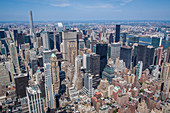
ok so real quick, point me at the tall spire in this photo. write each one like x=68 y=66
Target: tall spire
x=32 y=28
x=31 y=23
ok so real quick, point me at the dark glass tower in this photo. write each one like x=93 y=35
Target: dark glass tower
x=145 y=54
x=111 y=38
x=101 y=49
x=125 y=55
x=124 y=38
x=117 y=37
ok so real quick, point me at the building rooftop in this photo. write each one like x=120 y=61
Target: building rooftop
x=53 y=55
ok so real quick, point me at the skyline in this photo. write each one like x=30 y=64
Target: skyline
x=65 y=10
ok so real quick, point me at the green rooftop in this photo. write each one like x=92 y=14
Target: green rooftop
x=38 y=71
x=53 y=55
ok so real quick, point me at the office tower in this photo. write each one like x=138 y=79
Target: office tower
x=49 y=87
x=145 y=54
x=48 y=40
x=55 y=73
x=71 y=51
x=165 y=71
x=79 y=35
x=101 y=49
x=115 y=51
x=103 y=37
x=3 y=50
x=125 y=55
x=55 y=38
x=159 y=55
x=93 y=43
x=14 y=58
x=96 y=80
x=94 y=64
x=81 y=44
x=139 y=69
x=27 y=39
x=4 y=77
x=34 y=65
x=69 y=73
x=77 y=79
x=21 y=82
x=2 y=33
x=88 y=85
x=111 y=38
x=117 y=37
x=134 y=55
x=20 y=38
x=32 y=28
x=108 y=73
x=87 y=43
x=78 y=63
x=124 y=38
x=156 y=42
x=35 y=101
x=68 y=35
x=167 y=59
x=39 y=42
x=42 y=85
x=47 y=55
x=31 y=24
x=58 y=41
x=40 y=61
x=86 y=62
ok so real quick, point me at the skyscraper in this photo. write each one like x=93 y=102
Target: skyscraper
x=31 y=24
x=48 y=40
x=49 y=87
x=165 y=71
x=88 y=85
x=94 y=64
x=14 y=58
x=68 y=35
x=145 y=54
x=159 y=55
x=47 y=55
x=77 y=79
x=34 y=65
x=156 y=42
x=71 y=51
x=32 y=28
x=115 y=50
x=111 y=38
x=35 y=101
x=125 y=55
x=139 y=69
x=108 y=73
x=101 y=49
x=168 y=55
x=117 y=37
x=5 y=78
x=91 y=63
x=55 y=73
x=21 y=82
x=124 y=38
x=86 y=62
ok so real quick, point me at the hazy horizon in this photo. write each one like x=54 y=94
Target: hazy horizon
x=73 y=10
